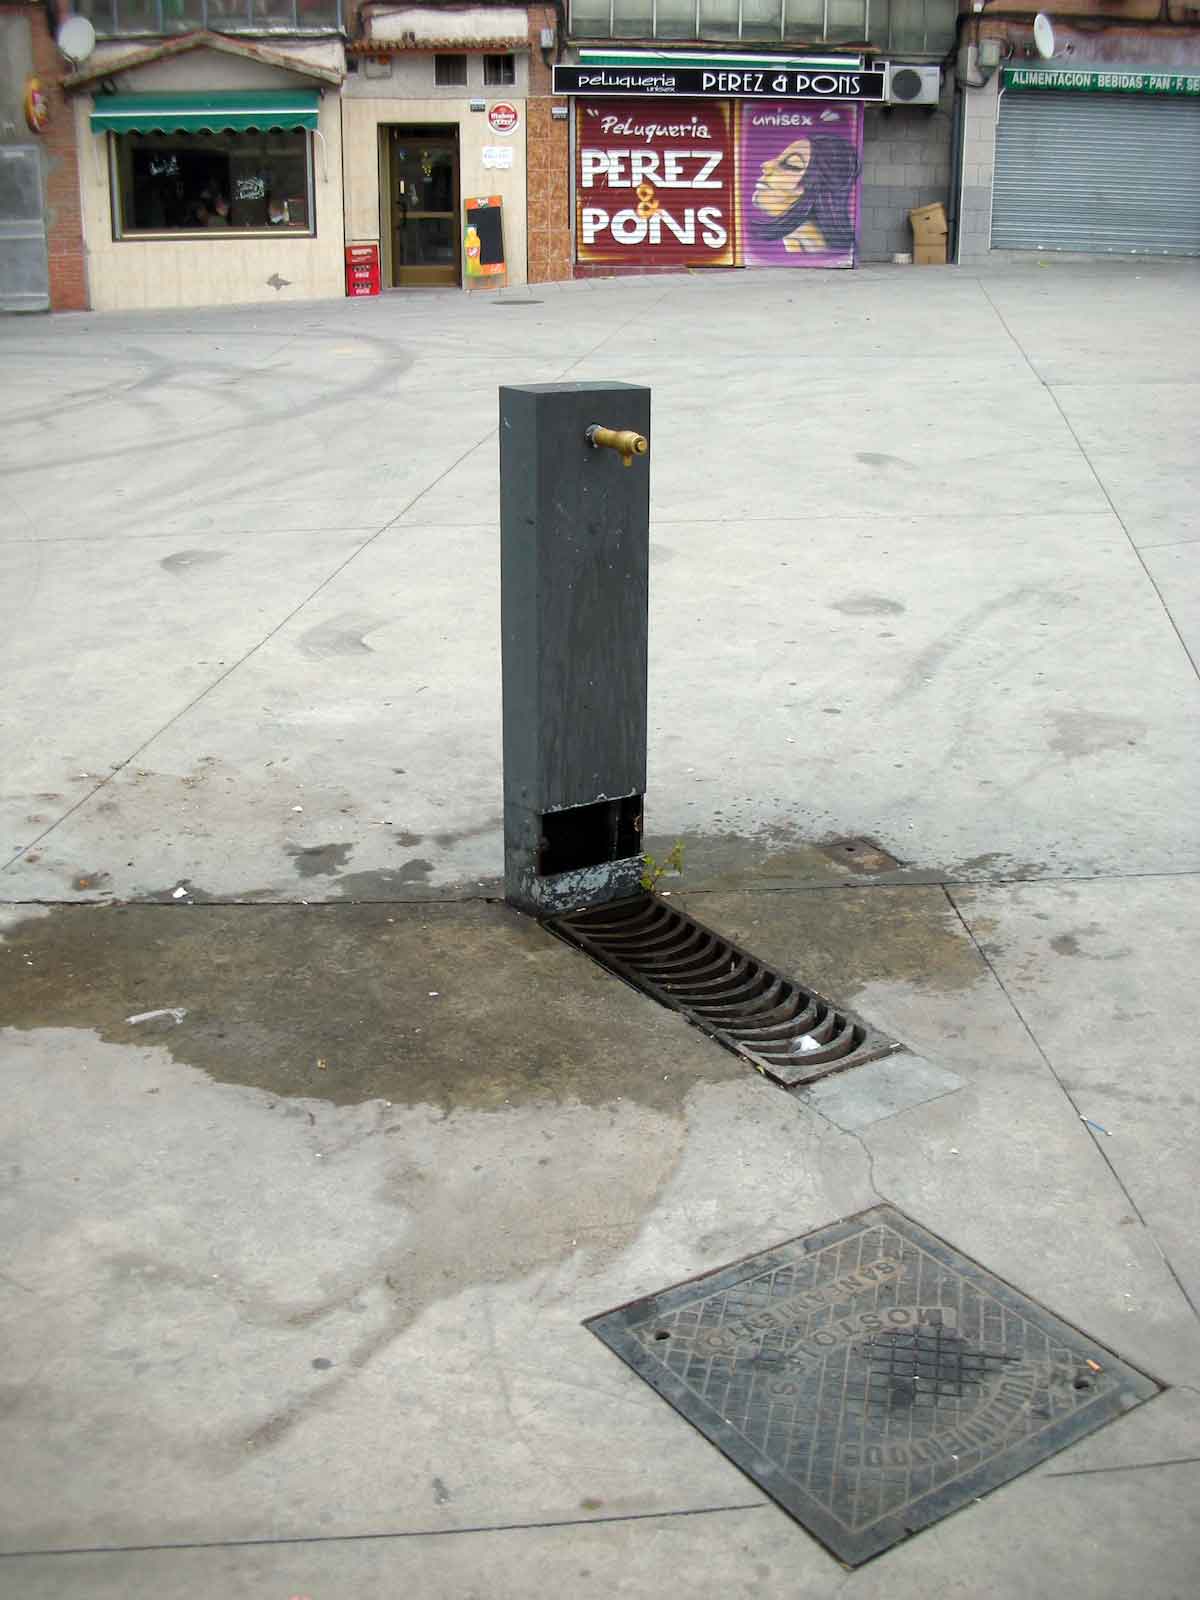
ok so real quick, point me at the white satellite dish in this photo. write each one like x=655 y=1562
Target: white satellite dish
x=1043 y=35
x=76 y=39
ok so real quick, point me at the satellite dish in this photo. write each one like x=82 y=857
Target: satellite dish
x=1043 y=35
x=76 y=39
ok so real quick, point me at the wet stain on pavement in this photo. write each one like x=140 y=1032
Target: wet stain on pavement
x=447 y=840
x=867 y=605
x=841 y=943
x=320 y=860
x=415 y=871
x=344 y=635
x=453 y=1006
x=185 y=560
x=1088 y=733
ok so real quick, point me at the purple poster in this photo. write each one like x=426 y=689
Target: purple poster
x=799 y=183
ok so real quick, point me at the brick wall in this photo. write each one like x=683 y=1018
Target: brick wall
x=60 y=168
x=906 y=163
x=548 y=157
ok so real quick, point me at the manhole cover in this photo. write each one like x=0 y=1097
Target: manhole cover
x=869 y=1378
x=789 y=1032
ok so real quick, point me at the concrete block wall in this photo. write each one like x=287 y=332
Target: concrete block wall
x=979 y=155
x=906 y=163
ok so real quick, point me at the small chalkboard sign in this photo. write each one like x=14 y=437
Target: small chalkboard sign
x=484 y=241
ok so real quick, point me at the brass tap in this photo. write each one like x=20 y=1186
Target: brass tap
x=623 y=440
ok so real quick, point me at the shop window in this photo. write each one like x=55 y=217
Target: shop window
x=761 y=19
x=450 y=72
x=116 y=18
x=847 y=21
x=211 y=185
x=904 y=27
x=592 y=19
x=719 y=19
x=498 y=70
x=633 y=19
x=675 y=19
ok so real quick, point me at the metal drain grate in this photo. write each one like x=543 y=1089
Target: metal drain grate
x=790 y=1033
x=869 y=1377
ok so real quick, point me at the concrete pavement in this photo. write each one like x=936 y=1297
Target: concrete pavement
x=294 y=1285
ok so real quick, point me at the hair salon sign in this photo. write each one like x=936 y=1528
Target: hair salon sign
x=735 y=83
x=719 y=184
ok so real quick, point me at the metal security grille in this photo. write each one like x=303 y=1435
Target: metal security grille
x=24 y=263
x=1097 y=173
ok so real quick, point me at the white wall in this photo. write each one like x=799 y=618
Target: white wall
x=366 y=217
x=222 y=267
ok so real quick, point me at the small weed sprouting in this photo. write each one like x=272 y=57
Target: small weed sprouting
x=653 y=871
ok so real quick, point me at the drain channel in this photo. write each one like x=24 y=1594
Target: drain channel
x=790 y=1033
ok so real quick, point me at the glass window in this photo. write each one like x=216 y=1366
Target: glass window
x=211 y=183
x=499 y=69
x=590 y=19
x=908 y=26
x=847 y=20
x=761 y=19
x=633 y=19
x=266 y=13
x=804 y=19
x=145 y=16
x=113 y=18
x=450 y=72
x=718 y=19
x=878 y=19
x=941 y=18
x=676 y=19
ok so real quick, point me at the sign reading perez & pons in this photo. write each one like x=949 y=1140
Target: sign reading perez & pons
x=1105 y=80
x=786 y=83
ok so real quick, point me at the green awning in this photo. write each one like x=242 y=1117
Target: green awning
x=205 y=113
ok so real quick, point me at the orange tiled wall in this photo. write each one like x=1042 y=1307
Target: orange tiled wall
x=547 y=155
x=549 y=194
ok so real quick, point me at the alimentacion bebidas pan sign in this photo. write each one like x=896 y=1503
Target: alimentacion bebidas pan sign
x=1109 y=80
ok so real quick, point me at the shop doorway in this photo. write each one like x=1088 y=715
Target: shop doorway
x=422 y=168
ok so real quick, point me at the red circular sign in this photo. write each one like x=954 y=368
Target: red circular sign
x=502 y=117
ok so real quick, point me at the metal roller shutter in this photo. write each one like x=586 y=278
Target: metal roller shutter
x=1098 y=173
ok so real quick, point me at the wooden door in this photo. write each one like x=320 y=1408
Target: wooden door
x=426 y=246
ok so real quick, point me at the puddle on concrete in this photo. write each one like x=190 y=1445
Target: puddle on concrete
x=843 y=942
x=455 y=1006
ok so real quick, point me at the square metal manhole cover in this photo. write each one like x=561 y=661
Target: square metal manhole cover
x=869 y=1378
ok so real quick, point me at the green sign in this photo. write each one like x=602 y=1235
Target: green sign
x=1106 y=80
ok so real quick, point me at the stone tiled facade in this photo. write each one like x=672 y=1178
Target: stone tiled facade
x=548 y=158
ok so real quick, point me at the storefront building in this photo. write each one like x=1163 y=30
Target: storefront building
x=210 y=170
x=685 y=161
x=821 y=145
x=1094 y=148
x=435 y=122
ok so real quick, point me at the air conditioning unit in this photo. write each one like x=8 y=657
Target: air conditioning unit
x=913 y=86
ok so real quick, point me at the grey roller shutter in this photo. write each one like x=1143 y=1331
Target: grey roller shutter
x=24 y=262
x=1097 y=172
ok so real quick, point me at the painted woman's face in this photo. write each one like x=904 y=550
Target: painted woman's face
x=781 y=181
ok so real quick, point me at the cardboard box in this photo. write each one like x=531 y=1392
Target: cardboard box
x=928 y=224
x=930 y=255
